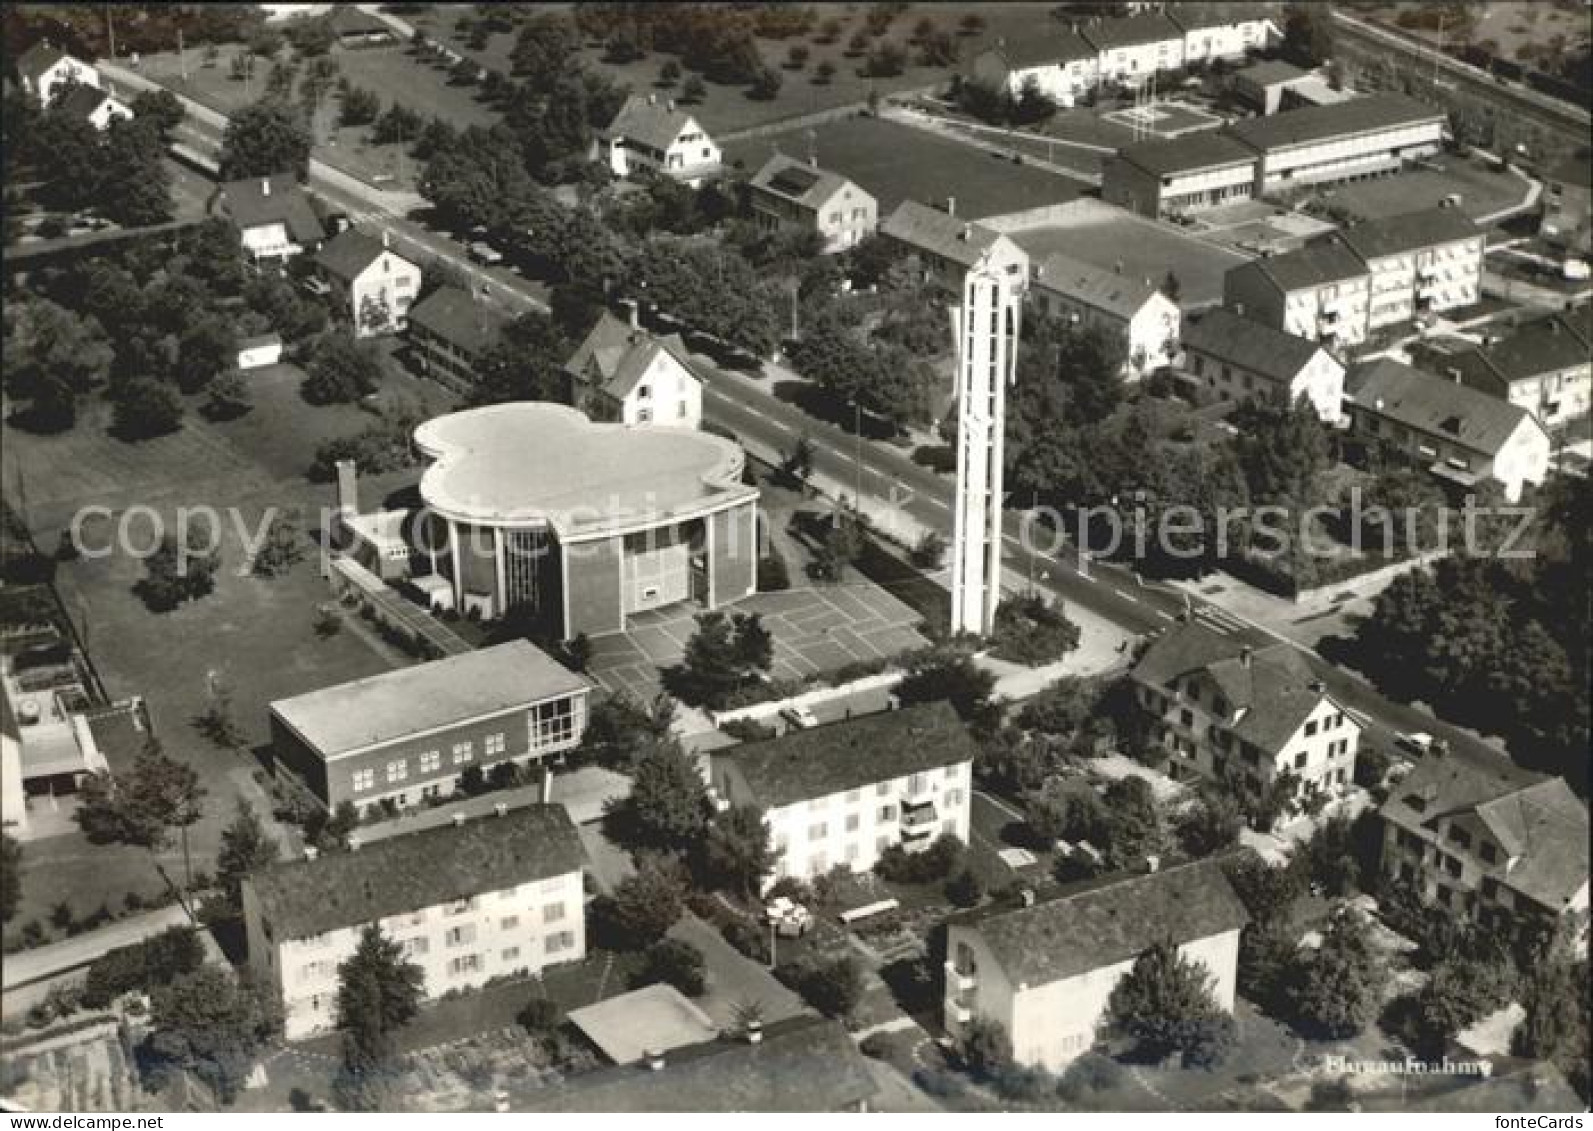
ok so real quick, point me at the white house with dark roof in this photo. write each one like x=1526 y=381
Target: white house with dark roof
x=1232 y=714
x=274 y=218
x=43 y=68
x=948 y=248
x=1225 y=31
x=1543 y=366
x=1131 y=310
x=1131 y=49
x=405 y=737
x=450 y=332
x=1235 y=359
x=373 y=284
x=1179 y=175
x=494 y=897
x=1320 y=292
x=622 y=373
x=1046 y=970
x=649 y=135
x=790 y=192
x=1488 y=841
x=1456 y=432
x=99 y=108
x=1420 y=263
x=1059 y=63
x=840 y=795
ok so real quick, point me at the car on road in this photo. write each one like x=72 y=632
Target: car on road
x=1417 y=743
x=485 y=254
x=799 y=717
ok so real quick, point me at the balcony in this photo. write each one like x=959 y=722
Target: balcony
x=919 y=818
x=957 y=980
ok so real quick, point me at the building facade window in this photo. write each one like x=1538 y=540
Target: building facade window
x=398 y=770
x=430 y=761
x=462 y=752
x=364 y=779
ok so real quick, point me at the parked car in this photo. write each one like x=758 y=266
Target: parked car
x=799 y=717
x=1417 y=743
x=485 y=254
x=790 y=920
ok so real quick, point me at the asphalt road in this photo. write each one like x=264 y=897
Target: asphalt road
x=749 y=407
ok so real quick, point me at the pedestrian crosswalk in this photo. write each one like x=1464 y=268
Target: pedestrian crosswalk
x=1219 y=620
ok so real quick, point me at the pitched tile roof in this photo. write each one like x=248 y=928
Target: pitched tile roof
x=382 y=708
x=619 y=354
x=305 y=898
x=1434 y=405
x=1395 y=235
x=1187 y=154
x=1192 y=14
x=1130 y=31
x=1222 y=334
x=81 y=100
x=1099 y=288
x=1538 y=819
x=1271 y=691
x=803 y=1064
x=1270 y=72
x=1044 y=47
x=350 y=252
x=277 y=199
x=804 y=764
x=920 y=226
x=647 y=120
x=39 y=58
x=1315 y=264
x=1312 y=124
x=456 y=317
x=1108 y=922
x=1576 y=169
x=798 y=181
x=1544 y=345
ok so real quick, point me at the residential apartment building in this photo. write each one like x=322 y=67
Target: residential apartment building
x=1568 y=205
x=1231 y=358
x=450 y=332
x=1181 y=175
x=1488 y=841
x=468 y=902
x=1342 y=141
x=1458 y=433
x=840 y=795
x=43 y=69
x=1061 y=65
x=1132 y=311
x=947 y=248
x=1228 y=713
x=1132 y=49
x=1046 y=970
x=1222 y=31
x=788 y=192
x=649 y=136
x=374 y=285
x=273 y=218
x=404 y=737
x=1420 y=263
x=623 y=374
x=1320 y=292
x=1543 y=366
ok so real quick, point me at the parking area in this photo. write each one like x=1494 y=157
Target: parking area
x=816 y=629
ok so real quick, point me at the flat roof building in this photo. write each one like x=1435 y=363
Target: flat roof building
x=582 y=524
x=404 y=737
x=496 y=897
x=1179 y=175
x=1341 y=141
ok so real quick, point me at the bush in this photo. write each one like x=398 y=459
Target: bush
x=1023 y=1083
x=747 y=937
x=936 y=862
x=157 y=961
x=1090 y=1073
x=747 y=730
x=675 y=963
x=773 y=574
x=834 y=987
x=540 y=1015
x=940 y=1082
x=964 y=889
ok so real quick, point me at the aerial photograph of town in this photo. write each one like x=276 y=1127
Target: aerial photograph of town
x=794 y=557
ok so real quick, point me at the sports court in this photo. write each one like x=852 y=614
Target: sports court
x=1163 y=119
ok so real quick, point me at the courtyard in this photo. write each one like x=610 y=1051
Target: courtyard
x=1483 y=191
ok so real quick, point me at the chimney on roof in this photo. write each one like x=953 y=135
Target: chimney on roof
x=1153 y=863
x=753 y=1031
x=1118 y=266
x=655 y=1060
x=265 y=186
x=951 y=206
x=1027 y=896
x=1239 y=309
x=348 y=487
x=671 y=105
x=459 y=820
x=634 y=307
x=500 y=809
x=386 y=238
x=1246 y=654
x=1453 y=373
x=353 y=843
x=1317 y=686
x=652 y=100
x=966 y=234
x=311 y=852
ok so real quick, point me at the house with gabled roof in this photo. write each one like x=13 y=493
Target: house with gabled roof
x=1420 y=263
x=373 y=284
x=1487 y=840
x=1458 y=433
x=1543 y=366
x=1236 y=359
x=274 y=218
x=622 y=373
x=1130 y=310
x=948 y=248
x=1320 y=292
x=450 y=332
x=1060 y=63
x=1232 y=714
x=1045 y=969
x=840 y=795
x=1225 y=30
x=468 y=902
x=1132 y=49
x=99 y=108
x=647 y=135
x=791 y=192
x=44 y=68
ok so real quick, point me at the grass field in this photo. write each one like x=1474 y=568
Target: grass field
x=1482 y=190
x=897 y=162
x=1106 y=236
x=257 y=634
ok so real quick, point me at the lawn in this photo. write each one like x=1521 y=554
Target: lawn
x=1483 y=191
x=897 y=162
x=1112 y=237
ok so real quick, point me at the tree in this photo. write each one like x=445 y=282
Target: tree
x=766 y=87
x=824 y=73
x=360 y=107
x=949 y=673
x=263 y=140
x=53 y=356
x=246 y=847
x=143 y=806
x=1166 y=1004
x=175 y=573
x=1461 y=990
x=930 y=550
x=1211 y=824
x=1336 y=989
x=677 y=964
x=10 y=876
x=985 y=1048
x=134 y=182
x=668 y=803
x=964 y=889
x=1171 y=287
x=342 y=369
x=834 y=987
x=842 y=545
x=375 y=315
x=669 y=73
x=213 y=1023
x=1556 y=1024
x=207 y=348
x=378 y=993
x=647 y=903
x=798 y=462
x=217 y=721
x=736 y=852
x=693 y=91
x=160 y=107
x=525 y=364
x=1133 y=826
x=723 y=654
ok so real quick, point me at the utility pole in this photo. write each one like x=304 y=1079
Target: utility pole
x=182 y=60
x=110 y=28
